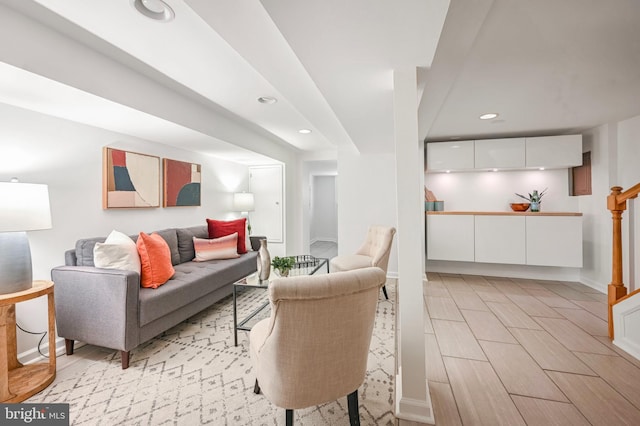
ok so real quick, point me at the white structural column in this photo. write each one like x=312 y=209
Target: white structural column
x=412 y=394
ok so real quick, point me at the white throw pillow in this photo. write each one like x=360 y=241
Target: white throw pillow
x=117 y=252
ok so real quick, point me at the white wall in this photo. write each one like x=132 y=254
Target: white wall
x=366 y=196
x=68 y=157
x=493 y=191
x=628 y=150
x=324 y=215
x=615 y=152
x=597 y=227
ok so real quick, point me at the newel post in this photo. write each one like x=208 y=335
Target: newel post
x=616 y=287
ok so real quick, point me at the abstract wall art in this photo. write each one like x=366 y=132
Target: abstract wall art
x=130 y=179
x=181 y=183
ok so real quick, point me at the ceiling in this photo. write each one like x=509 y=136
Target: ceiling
x=546 y=67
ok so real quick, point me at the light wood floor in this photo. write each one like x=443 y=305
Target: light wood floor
x=513 y=352
x=324 y=249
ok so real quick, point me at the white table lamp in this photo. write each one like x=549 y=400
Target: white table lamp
x=243 y=202
x=23 y=207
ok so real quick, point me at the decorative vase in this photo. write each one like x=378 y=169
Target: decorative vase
x=535 y=206
x=264 y=261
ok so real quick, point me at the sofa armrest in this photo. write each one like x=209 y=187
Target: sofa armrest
x=255 y=241
x=97 y=306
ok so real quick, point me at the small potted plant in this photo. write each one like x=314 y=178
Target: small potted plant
x=534 y=198
x=283 y=264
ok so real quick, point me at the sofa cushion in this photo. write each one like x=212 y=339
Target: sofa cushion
x=191 y=281
x=117 y=252
x=171 y=237
x=185 y=241
x=216 y=248
x=155 y=259
x=84 y=250
x=222 y=228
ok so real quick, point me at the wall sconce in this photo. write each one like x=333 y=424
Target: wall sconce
x=23 y=207
x=243 y=202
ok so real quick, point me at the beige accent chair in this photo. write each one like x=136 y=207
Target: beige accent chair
x=313 y=348
x=374 y=252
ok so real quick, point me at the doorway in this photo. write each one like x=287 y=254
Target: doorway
x=323 y=227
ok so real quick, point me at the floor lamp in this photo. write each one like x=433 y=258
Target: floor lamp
x=23 y=207
x=243 y=202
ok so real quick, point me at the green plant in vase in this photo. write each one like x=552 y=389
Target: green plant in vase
x=534 y=198
x=283 y=264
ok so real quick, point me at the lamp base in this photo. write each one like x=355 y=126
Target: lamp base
x=15 y=262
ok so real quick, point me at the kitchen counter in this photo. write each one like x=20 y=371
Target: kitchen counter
x=505 y=213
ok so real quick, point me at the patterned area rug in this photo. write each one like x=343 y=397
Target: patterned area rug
x=192 y=374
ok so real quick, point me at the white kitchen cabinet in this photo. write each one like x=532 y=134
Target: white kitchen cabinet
x=500 y=239
x=443 y=156
x=554 y=151
x=450 y=237
x=500 y=153
x=554 y=241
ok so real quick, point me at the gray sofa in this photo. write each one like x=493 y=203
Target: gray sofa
x=108 y=307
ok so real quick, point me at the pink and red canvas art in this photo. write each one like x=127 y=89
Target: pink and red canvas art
x=181 y=183
x=130 y=179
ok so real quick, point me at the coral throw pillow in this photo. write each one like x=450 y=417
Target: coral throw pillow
x=155 y=259
x=117 y=252
x=216 y=248
x=222 y=228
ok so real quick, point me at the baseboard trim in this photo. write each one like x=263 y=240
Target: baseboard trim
x=412 y=409
x=594 y=284
x=323 y=239
x=507 y=271
x=32 y=355
x=629 y=347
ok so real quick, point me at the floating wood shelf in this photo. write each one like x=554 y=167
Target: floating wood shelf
x=505 y=213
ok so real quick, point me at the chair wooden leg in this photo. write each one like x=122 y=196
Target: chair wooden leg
x=256 y=387
x=124 y=355
x=384 y=290
x=352 y=402
x=289 y=417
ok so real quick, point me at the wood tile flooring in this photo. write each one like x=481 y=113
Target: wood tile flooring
x=506 y=351
x=326 y=249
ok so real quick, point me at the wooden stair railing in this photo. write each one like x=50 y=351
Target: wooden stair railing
x=617 y=204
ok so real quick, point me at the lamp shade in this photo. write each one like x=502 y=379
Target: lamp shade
x=243 y=202
x=24 y=207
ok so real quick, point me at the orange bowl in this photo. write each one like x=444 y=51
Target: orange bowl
x=520 y=207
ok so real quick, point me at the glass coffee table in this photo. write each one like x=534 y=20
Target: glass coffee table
x=305 y=265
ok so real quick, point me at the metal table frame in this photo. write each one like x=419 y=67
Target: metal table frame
x=306 y=264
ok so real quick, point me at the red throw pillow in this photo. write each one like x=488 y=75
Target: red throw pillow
x=222 y=228
x=155 y=260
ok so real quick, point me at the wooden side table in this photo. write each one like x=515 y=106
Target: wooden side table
x=18 y=382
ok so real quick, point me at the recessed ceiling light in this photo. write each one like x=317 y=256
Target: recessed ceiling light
x=304 y=131
x=267 y=100
x=541 y=168
x=154 y=9
x=495 y=170
x=488 y=116
x=447 y=171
